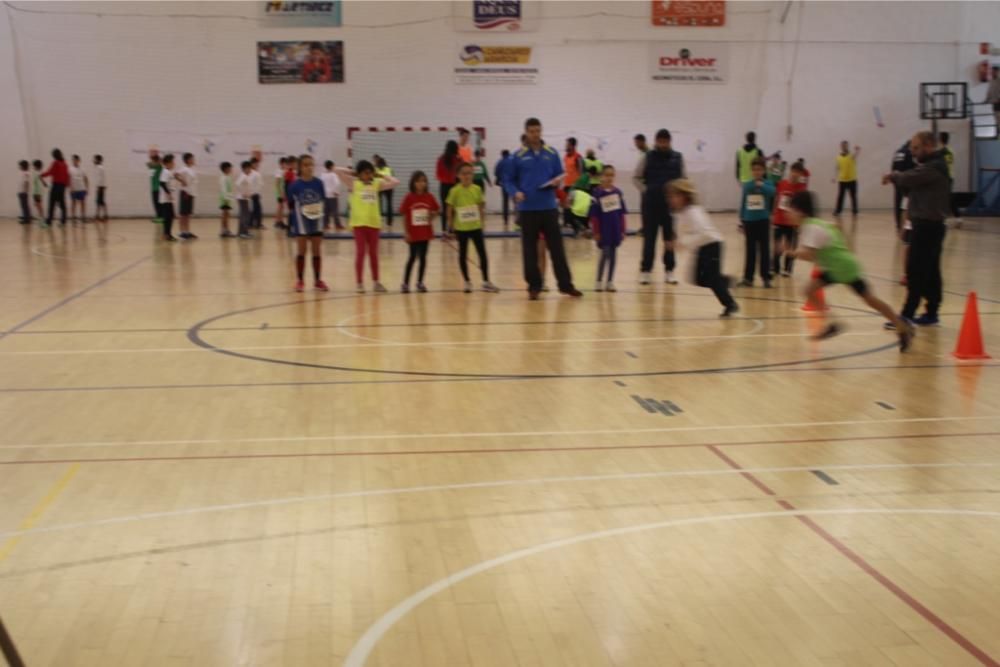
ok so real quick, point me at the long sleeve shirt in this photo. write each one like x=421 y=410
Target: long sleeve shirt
x=928 y=188
x=59 y=172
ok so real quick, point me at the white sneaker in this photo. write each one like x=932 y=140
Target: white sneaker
x=380 y=288
x=670 y=280
x=360 y=288
x=598 y=286
x=610 y=287
x=644 y=278
x=468 y=287
x=490 y=287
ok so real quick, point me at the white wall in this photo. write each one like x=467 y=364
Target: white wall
x=87 y=79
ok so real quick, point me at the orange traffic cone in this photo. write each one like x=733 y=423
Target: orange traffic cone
x=817 y=304
x=970 y=338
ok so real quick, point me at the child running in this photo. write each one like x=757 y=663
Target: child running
x=755 y=222
x=306 y=223
x=699 y=234
x=226 y=197
x=366 y=218
x=785 y=233
x=823 y=243
x=607 y=220
x=37 y=185
x=419 y=209
x=466 y=209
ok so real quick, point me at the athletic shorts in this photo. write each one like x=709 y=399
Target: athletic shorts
x=100 y=196
x=785 y=232
x=187 y=204
x=303 y=226
x=859 y=286
x=79 y=195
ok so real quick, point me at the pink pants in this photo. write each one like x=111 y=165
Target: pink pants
x=365 y=238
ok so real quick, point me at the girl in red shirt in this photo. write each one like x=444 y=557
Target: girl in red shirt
x=447 y=174
x=419 y=209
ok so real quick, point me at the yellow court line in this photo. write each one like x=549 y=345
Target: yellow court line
x=40 y=509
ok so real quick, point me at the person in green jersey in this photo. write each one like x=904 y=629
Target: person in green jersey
x=155 y=166
x=593 y=168
x=466 y=209
x=37 y=185
x=480 y=172
x=823 y=243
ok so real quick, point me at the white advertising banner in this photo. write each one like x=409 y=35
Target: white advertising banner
x=496 y=15
x=680 y=62
x=212 y=150
x=496 y=64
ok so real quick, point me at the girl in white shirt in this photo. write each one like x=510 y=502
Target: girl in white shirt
x=698 y=233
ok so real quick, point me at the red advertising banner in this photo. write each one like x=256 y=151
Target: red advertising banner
x=689 y=13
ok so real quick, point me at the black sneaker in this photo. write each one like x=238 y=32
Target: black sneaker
x=572 y=291
x=830 y=331
x=533 y=295
x=730 y=309
x=927 y=320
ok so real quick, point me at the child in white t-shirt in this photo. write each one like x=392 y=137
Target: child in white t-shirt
x=331 y=196
x=78 y=186
x=101 y=183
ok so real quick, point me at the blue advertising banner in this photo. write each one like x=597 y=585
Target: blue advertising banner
x=279 y=13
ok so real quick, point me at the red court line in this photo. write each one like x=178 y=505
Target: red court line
x=499 y=450
x=866 y=567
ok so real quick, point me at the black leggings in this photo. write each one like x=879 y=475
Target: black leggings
x=708 y=273
x=849 y=187
x=790 y=235
x=386 y=203
x=57 y=197
x=445 y=189
x=758 y=243
x=418 y=251
x=476 y=236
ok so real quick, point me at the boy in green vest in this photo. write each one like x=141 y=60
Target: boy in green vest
x=578 y=203
x=823 y=243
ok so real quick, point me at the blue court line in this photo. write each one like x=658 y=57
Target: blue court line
x=71 y=298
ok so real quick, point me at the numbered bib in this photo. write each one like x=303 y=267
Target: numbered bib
x=312 y=211
x=755 y=202
x=420 y=217
x=368 y=197
x=784 y=201
x=468 y=214
x=611 y=203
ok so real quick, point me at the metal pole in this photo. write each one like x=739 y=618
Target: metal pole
x=8 y=649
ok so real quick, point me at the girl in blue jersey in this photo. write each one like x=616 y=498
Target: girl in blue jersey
x=305 y=225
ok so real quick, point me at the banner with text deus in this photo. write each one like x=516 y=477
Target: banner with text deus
x=496 y=15
x=299 y=14
x=700 y=62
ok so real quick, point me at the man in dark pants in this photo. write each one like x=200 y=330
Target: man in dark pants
x=660 y=166
x=929 y=190
x=536 y=172
x=902 y=160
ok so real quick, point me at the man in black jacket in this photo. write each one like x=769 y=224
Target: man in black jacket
x=929 y=190
x=902 y=160
x=660 y=166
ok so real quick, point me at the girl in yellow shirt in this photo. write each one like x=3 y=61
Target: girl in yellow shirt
x=366 y=217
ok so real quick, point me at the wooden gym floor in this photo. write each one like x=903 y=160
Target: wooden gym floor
x=200 y=467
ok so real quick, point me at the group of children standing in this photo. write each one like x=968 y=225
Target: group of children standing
x=33 y=184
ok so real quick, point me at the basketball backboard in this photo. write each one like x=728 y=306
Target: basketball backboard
x=943 y=101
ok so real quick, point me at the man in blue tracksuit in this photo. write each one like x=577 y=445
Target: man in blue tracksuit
x=659 y=166
x=537 y=172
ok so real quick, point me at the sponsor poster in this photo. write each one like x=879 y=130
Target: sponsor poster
x=698 y=62
x=495 y=65
x=300 y=62
x=496 y=15
x=689 y=13
x=299 y=14
x=212 y=150
x=204 y=147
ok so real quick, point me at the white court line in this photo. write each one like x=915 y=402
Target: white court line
x=366 y=644
x=209 y=509
x=500 y=434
